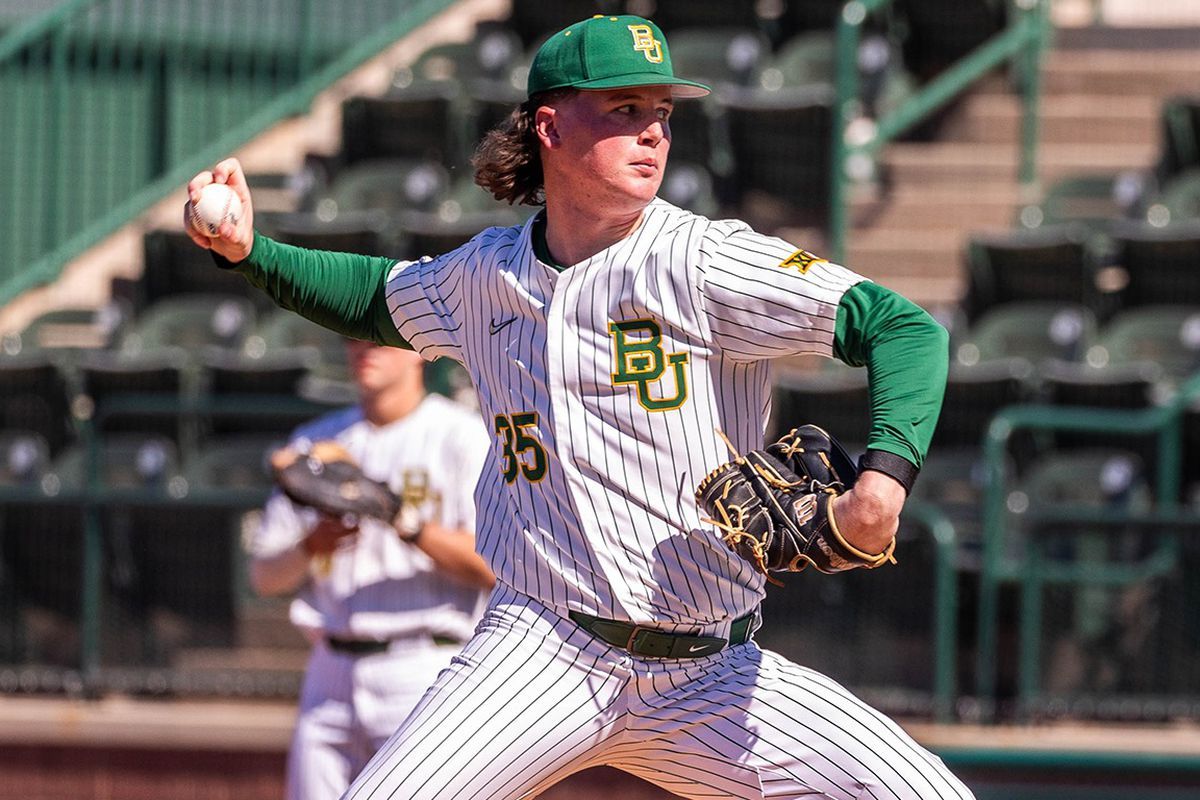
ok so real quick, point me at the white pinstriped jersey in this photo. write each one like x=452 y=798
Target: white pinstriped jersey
x=381 y=587
x=603 y=385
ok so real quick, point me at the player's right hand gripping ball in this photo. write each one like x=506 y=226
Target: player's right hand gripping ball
x=325 y=476
x=773 y=506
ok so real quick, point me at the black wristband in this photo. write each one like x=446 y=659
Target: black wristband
x=221 y=261
x=892 y=465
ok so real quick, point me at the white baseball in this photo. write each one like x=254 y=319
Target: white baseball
x=218 y=203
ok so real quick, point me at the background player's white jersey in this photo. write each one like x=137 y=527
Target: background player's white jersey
x=607 y=381
x=381 y=587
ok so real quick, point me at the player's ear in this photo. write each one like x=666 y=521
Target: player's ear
x=545 y=125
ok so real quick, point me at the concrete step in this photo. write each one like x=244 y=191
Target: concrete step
x=1064 y=119
x=966 y=163
x=935 y=211
x=1122 y=72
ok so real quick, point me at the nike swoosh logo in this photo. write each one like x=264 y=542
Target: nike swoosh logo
x=496 y=327
x=696 y=648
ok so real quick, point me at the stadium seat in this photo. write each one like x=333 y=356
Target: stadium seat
x=251 y=381
x=1160 y=263
x=1129 y=386
x=804 y=60
x=69 y=329
x=385 y=184
x=717 y=56
x=674 y=15
x=940 y=32
x=286 y=330
x=491 y=54
x=190 y=322
x=974 y=393
x=1049 y=264
x=689 y=186
x=1092 y=201
x=24 y=457
x=35 y=396
x=835 y=397
x=781 y=145
x=1181 y=196
x=1165 y=335
x=465 y=211
x=1180 y=137
x=237 y=461
x=174 y=265
x=419 y=122
x=1030 y=330
x=363 y=232
x=534 y=20
x=105 y=375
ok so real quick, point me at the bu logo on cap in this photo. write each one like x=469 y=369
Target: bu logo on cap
x=645 y=43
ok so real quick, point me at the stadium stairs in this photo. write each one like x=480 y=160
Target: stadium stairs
x=1103 y=91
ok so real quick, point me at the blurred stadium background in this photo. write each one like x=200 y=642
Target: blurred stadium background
x=1028 y=171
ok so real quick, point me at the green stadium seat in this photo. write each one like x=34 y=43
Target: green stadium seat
x=69 y=329
x=1181 y=196
x=781 y=142
x=35 y=396
x=174 y=265
x=1161 y=263
x=105 y=376
x=419 y=122
x=1168 y=336
x=386 y=184
x=1048 y=264
x=491 y=55
x=835 y=397
x=1135 y=385
x=974 y=394
x=362 y=232
x=533 y=20
x=690 y=186
x=1030 y=330
x=717 y=56
x=24 y=457
x=287 y=330
x=190 y=322
x=234 y=461
x=1180 y=137
x=1093 y=201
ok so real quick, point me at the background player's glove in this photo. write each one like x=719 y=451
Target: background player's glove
x=325 y=477
x=773 y=506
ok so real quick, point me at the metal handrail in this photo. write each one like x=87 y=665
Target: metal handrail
x=51 y=222
x=1166 y=422
x=1023 y=41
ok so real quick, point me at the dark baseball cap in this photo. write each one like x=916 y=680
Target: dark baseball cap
x=608 y=53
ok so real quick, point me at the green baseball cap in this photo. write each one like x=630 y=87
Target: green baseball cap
x=608 y=53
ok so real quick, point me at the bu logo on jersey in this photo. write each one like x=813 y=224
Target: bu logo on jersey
x=645 y=43
x=640 y=360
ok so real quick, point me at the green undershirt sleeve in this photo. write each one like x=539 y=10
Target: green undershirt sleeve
x=906 y=354
x=344 y=292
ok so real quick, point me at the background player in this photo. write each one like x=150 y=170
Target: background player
x=607 y=338
x=384 y=608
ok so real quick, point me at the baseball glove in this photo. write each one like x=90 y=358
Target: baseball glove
x=325 y=477
x=773 y=506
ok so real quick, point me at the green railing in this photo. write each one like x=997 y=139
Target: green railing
x=109 y=105
x=1163 y=422
x=855 y=137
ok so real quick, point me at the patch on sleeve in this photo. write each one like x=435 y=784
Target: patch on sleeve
x=801 y=260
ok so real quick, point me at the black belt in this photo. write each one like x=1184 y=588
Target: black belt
x=654 y=643
x=366 y=647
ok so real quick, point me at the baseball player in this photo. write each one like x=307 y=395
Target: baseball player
x=384 y=607
x=609 y=339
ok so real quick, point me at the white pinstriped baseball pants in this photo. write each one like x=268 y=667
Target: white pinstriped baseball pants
x=534 y=698
x=349 y=706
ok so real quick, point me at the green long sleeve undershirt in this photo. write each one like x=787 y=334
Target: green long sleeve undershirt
x=903 y=349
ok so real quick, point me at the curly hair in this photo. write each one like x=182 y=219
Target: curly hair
x=508 y=161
